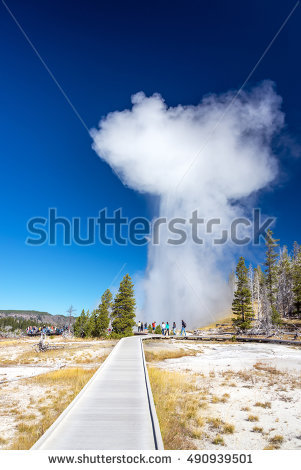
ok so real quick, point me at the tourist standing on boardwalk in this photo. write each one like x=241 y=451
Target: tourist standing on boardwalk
x=174 y=326
x=183 y=328
x=163 y=328
x=139 y=326
x=167 y=329
x=154 y=326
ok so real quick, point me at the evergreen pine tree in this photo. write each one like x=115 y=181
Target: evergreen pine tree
x=266 y=319
x=251 y=284
x=284 y=301
x=104 y=310
x=296 y=249
x=271 y=275
x=258 y=282
x=81 y=324
x=123 y=311
x=241 y=305
x=296 y=274
x=92 y=325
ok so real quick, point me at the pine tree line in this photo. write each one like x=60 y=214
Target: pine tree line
x=263 y=298
x=120 y=312
x=16 y=324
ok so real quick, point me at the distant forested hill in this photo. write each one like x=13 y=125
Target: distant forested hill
x=32 y=317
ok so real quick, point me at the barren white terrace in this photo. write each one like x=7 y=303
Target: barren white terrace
x=237 y=356
x=254 y=387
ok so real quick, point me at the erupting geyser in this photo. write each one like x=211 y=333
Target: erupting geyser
x=205 y=157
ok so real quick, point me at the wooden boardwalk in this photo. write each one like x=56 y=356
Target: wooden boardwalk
x=114 y=411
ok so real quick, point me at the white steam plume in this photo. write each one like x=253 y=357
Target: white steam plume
x=152 y=146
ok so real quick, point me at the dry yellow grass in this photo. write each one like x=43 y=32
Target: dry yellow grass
x=276 y=440
x=223 y=399
x=218 y=440
x=257 y=429
x=219 y=425
x=266 y=404
x=67 y=383
x=85 y=354
x=215 y=423
x=267 y=369
x=228 y=428
x=177 y=408
x=9 y=342
x=162 y=354
x=252 y=418
x=73 y=377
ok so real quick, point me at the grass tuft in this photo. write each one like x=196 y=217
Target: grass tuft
x=252 y=418
x=218 y=440
x=228 y=428
x=257 y=429
x=267 y=404
x=276 y=440
x=245 y=408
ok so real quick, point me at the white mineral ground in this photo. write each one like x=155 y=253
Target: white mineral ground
x=225 y=368
x=245 y=384
x=19 y=362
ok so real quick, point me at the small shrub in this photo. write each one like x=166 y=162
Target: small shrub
x=267 y=404
x=228 y=428
x=253 y=418
x=218 y=440
x=23 y=427
x=222 y=399
x=114 y=335
x=276 y=440
x=215 y=423
x=196 y=434
x=200 y=421
x=245 y=408
x=257 y=429
x=158 y=330
x=215 y=399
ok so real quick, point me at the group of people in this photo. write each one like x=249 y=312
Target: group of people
x=141 y=326
x=165 y=328
x=47 y=330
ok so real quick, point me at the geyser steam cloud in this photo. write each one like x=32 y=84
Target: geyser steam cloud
x=152 y=147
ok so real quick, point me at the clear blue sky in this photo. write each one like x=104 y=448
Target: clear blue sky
x=101 y=53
